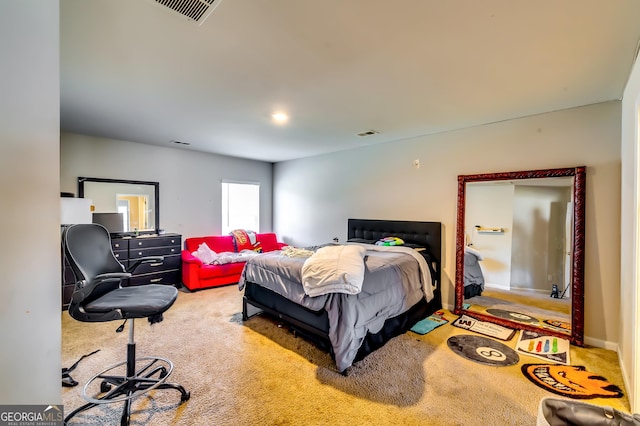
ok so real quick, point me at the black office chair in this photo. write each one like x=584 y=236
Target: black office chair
x=99 y=296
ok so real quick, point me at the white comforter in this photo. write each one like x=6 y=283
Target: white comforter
x=334 y=269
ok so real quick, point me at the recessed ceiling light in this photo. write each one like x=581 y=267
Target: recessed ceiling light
x=280 y=117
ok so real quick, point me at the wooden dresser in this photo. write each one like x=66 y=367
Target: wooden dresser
x=127 y=250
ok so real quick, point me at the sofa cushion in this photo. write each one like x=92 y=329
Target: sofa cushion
x=213 y=271
x=268 y=242
x=217 y=243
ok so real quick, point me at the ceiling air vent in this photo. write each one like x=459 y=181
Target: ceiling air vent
x=193 y=10
x=368 y=133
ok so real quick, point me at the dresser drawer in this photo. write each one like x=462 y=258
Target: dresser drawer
x=121 y=255
x=119 y=244
x=142 y=242
x=153 y=251
x=168 y=277
x=169 y=263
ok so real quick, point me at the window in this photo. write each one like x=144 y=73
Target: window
x=240 y=206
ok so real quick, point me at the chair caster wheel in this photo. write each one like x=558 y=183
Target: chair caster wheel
x=185 y=397
x=105 y=387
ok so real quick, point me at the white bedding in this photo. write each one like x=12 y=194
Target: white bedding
x=210 y=257
x=334 y=269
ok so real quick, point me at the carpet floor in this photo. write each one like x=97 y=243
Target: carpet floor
x=258 y=373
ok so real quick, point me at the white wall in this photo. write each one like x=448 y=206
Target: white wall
x=629 y=318
x=30 y=213
x=538 y=237
x=491 y=206
x=190 y=181
x=314 y=197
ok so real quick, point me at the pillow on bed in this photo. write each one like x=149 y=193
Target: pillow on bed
x=361 y=241
x=415 y=246
x=205 y=254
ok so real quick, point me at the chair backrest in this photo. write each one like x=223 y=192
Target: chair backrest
x=88 y=250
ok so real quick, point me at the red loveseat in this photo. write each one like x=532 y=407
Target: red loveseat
x=197 y=275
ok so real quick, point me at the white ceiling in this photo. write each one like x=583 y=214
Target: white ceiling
x=133 y=70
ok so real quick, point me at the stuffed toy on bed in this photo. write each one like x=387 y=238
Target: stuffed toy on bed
x=390 y=241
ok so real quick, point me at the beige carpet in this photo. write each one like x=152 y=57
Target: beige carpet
x=257 y=373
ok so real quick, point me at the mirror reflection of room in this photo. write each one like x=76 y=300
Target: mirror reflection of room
x=517 y=260
x=122 y=206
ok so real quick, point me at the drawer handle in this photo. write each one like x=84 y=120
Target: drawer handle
x=173 y=250
x=139 y=243
x=173 y=241
x=155 y=280
x=116 y=245
x=155 y=264
x=139 y=253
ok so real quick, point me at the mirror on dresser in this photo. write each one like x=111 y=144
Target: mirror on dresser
x=123 y=206
x=520 y=250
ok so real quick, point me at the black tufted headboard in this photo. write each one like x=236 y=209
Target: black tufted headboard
x=423 y=234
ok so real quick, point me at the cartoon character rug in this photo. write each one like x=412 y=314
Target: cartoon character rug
x=571 y=381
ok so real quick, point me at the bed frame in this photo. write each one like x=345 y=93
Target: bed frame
x=314 y=326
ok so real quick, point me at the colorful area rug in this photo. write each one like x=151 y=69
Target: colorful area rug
x=547 y=348
x=429 y=323
x=482 y=327
x=483 y=350
x=572 y=381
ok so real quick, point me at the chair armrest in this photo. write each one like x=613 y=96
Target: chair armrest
x=189 y=258
x=82 y=291
x=111 y=276
x=148 y=259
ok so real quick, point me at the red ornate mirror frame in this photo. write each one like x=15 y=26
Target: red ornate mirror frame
x=577 y=284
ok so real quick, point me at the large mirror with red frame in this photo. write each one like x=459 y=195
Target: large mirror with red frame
x=520 y=250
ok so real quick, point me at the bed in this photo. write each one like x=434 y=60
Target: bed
x=351 y=326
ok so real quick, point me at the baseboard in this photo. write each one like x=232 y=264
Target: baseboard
x=604 y=344
x=626 y=381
